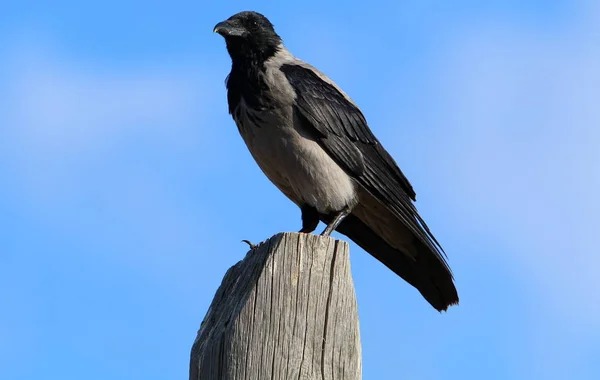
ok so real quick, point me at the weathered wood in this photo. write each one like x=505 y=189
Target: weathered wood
x=286 y=311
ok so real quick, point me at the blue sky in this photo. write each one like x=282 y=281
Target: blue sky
x=126 y=188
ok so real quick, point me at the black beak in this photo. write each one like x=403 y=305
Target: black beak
x=228 y=29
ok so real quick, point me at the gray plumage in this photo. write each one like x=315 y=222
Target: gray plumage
x=283 y=149
x=313 y=143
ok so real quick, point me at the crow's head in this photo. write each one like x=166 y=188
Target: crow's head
x=249 y=36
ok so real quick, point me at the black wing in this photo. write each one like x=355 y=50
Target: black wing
x=343 y=132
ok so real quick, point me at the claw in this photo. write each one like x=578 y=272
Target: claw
x=252 y=246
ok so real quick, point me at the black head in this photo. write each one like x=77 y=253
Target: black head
x=249 y=36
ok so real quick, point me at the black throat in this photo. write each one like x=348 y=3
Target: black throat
x=246 y=79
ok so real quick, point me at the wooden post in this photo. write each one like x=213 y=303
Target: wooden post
x=286 y=311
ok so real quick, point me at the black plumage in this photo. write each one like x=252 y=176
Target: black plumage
x=284 y=101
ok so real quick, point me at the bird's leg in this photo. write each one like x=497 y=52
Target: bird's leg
x=310 y=219
x=336 y=221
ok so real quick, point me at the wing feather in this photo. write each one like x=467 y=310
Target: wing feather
x=343 y=132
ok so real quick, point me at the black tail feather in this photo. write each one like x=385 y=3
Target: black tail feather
x=425 y=272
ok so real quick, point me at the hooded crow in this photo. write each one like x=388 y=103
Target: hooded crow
x=313 y=143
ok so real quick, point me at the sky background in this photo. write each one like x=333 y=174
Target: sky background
x=125 y=188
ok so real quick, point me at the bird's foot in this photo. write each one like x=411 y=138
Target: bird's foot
x=307 y=230
x=336 y=222
x=310 y=219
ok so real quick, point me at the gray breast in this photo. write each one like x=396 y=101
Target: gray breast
x=293 y=162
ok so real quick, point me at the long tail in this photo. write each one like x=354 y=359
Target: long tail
x=424 y=270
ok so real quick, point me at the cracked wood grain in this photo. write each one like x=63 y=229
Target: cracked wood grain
x=286 y=311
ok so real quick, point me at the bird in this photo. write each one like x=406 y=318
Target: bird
x=313 y=142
